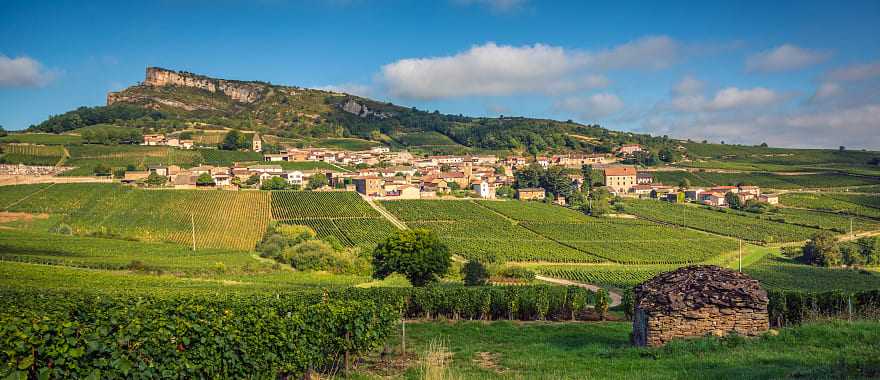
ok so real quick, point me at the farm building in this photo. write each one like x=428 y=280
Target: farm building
x=526 y=194
x=697 y=301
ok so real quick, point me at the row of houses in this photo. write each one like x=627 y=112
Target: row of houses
x=162 y=140
x=370 y=157
x=222 y=176
x=627 y=181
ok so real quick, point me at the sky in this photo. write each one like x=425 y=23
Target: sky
x=791 y=74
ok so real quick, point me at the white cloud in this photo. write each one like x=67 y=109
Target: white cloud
x=349 y=88
x=496 y=5
x=488 y=69
x=594 y=106
x=23 y=72
x=501 y=70
x=732 y=97
x=652 y=52
x=826 y=90
x=855 y=72
x=784 y=57
x=688 y=86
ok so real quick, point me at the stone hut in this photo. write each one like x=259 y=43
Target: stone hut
x=697 y=301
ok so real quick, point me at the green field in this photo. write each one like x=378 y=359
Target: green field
x=765 y=180
x=221 y=219
x=508 y=350
x=342 y=215
x=476 y=232
x=782 y=273
x=45 y=155
x=844 y=204
x=86 y=157
x=723 y=223
x=41 y=139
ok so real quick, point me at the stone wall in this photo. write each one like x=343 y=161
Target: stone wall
x=656 y=328
x=244 y=92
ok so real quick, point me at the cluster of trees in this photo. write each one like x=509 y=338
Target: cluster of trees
x=87 y=116
x=235 y=140
x=108 y=135
x=316 y=181
x=823 y=249
x=299 y=247
x=554 y=180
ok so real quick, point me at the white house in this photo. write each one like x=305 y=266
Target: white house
x=486 y=189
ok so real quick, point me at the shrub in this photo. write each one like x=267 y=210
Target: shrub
x=475 y=273
x=62 y=229
x=517 y=273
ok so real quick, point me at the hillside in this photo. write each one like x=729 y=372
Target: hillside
x=172 y=100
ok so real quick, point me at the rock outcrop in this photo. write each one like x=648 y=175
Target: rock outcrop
x=355 y=108
x=697 y=301
x=244 y=92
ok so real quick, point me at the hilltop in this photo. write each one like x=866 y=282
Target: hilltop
x=169 y=99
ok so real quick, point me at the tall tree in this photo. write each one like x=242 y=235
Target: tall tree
x=417 y=254
x=587 y=172
x=822 y=250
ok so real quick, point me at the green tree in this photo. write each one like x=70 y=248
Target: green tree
x=869 y=250
x=235 y=140
x=684 y=184
x=504 y=191
x=275 y=183
x=587 y=172
x=732 y=200
x=205 y=179
x=475 y=273
x=417 y=254
x=530 y=176
x=155 y=179
x=557 y=182
x=822 y=250
x=102 y=170
x=252 y=180
x=317 y=180
x=3 y=132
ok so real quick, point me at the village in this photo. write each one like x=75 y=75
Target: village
x=384 y=174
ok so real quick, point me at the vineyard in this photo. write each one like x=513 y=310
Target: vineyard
x=535 y=212
x=45 y=155
x=87 y=157
x=823 y=220
x=844 y=204
x=222 y=219
x=781 y=273
x=766 y=180
x=606 y=275
x=635 y=242
x=719 y=222
x=342 y=215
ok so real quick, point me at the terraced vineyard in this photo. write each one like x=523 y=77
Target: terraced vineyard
x=844 y=204
x=222 y=219
x=343 y=215
x=87 y=157
x=823 y=220
x=766 y=180
x=722 y=223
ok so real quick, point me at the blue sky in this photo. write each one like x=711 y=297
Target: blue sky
x=788 y=73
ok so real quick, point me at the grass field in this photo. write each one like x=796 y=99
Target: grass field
x=222 y=219
x=507 y=350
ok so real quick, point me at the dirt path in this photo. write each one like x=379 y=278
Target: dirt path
x=381 y=210
x=615 y=296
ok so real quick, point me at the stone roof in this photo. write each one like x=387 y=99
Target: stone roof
x=694 y=287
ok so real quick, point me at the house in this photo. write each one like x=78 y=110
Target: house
x=530 y=193
x=628 y=149
x=134 y=176
x=268 y=169
x=203 y=169
x=173 y=141
x=543 y=161
x=406 y=192
x=293 y=177
x=184 y=180
x=772 y=199
x=275 y=157
x=692 y=194
x=485 y=189
x=644 y=178
x=660 y=191
x=458 y=178
x=713 y=199
x=697 y=301
x=560 y=200
x=619 y=179
x=186 y=144
x=641 y=190
x=371 y=186
x=155 y=139
x=158 y=169
x=257 y=143
x=222 y=179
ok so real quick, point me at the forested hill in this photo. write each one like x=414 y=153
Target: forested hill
x=170 y=100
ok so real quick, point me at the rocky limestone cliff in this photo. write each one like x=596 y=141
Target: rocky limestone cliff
x=243 y=92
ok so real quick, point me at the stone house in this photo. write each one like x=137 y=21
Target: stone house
x=620 y=179
x=697 y=301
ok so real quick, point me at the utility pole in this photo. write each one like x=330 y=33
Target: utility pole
x=740 y=255
x=192 y=221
